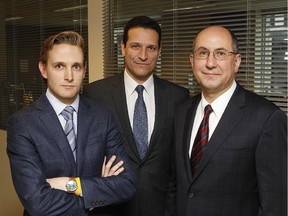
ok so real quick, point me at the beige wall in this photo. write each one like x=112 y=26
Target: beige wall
x=9 y=202
x=95 y=56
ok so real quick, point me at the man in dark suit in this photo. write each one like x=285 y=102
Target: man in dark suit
x=153 y=167
x=53 y=174
x=241 y=169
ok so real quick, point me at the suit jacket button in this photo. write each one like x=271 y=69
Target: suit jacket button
x=191 y=195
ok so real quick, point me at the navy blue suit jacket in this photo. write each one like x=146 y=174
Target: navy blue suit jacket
x=38 y=150
x=243 y=171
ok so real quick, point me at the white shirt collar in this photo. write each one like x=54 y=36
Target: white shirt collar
x=219 y=104
x=57 y=105
x=131 y=84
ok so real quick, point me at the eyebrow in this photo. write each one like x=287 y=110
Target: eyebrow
x=64 y=63
x=219 y=48
x=139 y=43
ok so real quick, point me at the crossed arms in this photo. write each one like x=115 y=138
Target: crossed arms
x=39 y=161
x=107 y=170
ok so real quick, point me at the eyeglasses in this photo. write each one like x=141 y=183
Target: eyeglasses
x=220 y=54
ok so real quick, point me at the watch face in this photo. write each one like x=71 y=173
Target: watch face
x=71 y=186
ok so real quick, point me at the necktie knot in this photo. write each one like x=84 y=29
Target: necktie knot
x=67 y=113
x=208 y=110
x=139 y=89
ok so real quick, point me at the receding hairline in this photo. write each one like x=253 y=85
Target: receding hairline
x=230 y=33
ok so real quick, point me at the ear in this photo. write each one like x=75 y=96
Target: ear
x=237 y=62
x=159 y=52
x=123 y=48
x=84 y=73
x=191 y=59
x=42 y=68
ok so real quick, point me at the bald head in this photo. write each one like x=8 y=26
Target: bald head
x=218 y=30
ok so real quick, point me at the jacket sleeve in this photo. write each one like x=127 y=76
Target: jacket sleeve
x=271 y=165
x=99 y=191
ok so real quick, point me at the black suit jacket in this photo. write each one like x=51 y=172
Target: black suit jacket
x=154 y=175
x=38 y=149
x=243 y=169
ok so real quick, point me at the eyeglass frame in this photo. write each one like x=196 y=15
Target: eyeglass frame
x=227 y=53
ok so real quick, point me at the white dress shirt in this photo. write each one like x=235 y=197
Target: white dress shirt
x=219 y=105
x=149 y=99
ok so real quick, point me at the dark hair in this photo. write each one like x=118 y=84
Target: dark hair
x=143 y=22
x=66 y=37
x=235 y=44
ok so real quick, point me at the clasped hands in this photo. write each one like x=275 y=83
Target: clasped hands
x=107 y=170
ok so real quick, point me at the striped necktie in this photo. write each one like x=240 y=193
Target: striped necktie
x=67 y=113
x=201 y=139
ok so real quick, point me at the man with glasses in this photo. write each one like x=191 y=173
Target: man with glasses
x=231 y=144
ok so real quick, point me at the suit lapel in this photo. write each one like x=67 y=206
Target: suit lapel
x=230 y=118
x=119 y=96
x=54 y=128
x=188 y=125
x=160 y=104
x=84 y=121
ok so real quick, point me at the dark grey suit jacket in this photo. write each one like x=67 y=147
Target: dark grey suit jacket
x=243 y=169
x=38 y=149
x=154 y=175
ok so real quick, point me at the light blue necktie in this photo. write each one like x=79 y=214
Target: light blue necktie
x=140 y=123
x=67 y=113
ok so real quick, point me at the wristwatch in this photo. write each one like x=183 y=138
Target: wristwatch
x=71 y=185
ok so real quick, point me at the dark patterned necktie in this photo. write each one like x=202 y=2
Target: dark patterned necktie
x=140 y=123
x=201 y=139
x=67 y=113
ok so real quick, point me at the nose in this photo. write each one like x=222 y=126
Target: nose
x=68 y=75
x=211 y=61
x=143 y=54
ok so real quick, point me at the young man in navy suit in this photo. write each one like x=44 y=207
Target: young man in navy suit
x=154 y=170
x=242 y=169
x=57 y=164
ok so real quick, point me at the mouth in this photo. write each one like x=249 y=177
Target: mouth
x=68 y=86
x=211 y=73
x=142 y=64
